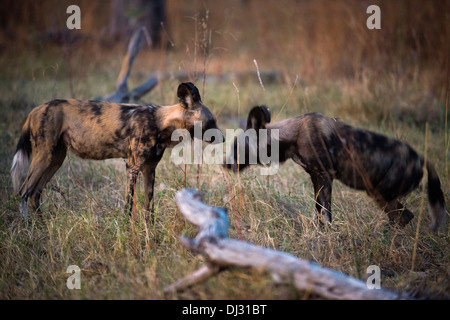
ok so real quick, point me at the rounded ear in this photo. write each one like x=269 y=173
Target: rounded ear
x=258 y=117
x=188 y=94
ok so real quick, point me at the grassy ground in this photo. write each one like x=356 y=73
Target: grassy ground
x=83 y=222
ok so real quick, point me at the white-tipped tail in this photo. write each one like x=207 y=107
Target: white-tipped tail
x=19 y=168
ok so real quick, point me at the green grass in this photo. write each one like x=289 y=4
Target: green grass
x=83 y=221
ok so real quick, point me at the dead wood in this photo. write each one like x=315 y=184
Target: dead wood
x=122 y=93
x=213 y=244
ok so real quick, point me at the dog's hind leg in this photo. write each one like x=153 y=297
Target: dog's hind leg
x=23 y=208
x=396 y=211
x=399 y=214
x=57 y=159
x=42 y=168
x=39 y=164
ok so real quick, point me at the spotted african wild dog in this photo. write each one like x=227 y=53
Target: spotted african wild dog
x=101 y=130
x=329 y=149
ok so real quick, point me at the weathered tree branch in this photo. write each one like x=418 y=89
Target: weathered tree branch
x=122 y=94
x=220 y=252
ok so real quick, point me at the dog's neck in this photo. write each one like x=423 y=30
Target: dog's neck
x=168 y=119
x=287 y=129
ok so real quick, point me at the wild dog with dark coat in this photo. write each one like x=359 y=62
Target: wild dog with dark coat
x=329 y=149
x=101 y=130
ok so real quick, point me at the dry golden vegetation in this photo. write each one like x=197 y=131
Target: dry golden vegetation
x=313 y=56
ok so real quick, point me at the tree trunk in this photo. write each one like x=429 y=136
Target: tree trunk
x=127 y=15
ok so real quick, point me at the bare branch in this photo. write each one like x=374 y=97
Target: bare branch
x=147 y=86
x=133 y=49
x=122 y=94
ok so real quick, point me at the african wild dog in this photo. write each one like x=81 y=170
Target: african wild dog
x=329 y=149
x=101 y=130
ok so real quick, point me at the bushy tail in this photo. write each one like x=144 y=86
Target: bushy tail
x=21 y=158
x=436 y=205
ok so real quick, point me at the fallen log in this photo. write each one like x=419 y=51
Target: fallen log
x=220 y=252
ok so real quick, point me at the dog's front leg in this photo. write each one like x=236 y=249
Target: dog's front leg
x=148 y=172
x=132 y=174
x=322 y=183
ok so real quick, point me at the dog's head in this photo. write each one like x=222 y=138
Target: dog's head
x=189 y=114
x=196 y=111
x=245 y=148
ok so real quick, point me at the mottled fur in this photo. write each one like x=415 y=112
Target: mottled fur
x=329 y=149
x=101 y=130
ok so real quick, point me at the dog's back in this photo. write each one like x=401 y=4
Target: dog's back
x=374 y=162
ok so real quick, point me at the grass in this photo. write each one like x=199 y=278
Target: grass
x=83 y=221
